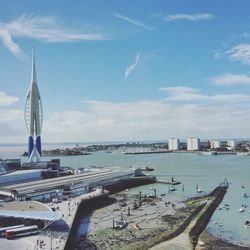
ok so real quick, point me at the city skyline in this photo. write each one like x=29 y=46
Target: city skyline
x=118 y=72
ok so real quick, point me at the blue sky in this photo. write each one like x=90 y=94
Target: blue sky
x=127 y=70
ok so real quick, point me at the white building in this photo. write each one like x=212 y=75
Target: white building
x=232 y=143
x=215 y=144
x=173 y=144
x=193 y=143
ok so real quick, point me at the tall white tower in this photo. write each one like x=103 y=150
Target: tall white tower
x=34 y=116
x=193 y=143
x=173 y=144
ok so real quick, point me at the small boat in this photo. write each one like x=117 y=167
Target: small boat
x=247 y=223
x=147 y=168
x=241 y=210
x=220 y=225
x=198 y=189
x=120 y=224
x=201 y=243
x=163 y=194
x=209 y=152
x=215 y=223
x=136 y=227
x=242 y=186
x=172 y=188
x=245 y=195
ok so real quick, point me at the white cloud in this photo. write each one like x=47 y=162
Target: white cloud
x=220 y=116
x=45 y=29
x=132 y=67
x=230 y=79
x=9 y=115
x=181 y=93
x=193 y=95
x=239 y=53
x=132 y=21
x=10 y=44
x=6 y=99
x=184 y=112
x=12 y=129
x=189 y=17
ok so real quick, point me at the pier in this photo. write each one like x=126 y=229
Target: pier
x=168 y=182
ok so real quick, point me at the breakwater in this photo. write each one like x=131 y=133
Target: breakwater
x=218 y=195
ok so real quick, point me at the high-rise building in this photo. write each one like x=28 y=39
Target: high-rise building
x=34 y=117
x=193 y=143
x=232 y=143
x=173 y=144
x=215 y=144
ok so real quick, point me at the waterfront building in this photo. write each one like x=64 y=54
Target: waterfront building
x=215 y=144
x=193 y=143
x=173 y=144
x=232 y=143
x=34 y=117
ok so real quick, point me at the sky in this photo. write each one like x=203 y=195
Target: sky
x=120 y=70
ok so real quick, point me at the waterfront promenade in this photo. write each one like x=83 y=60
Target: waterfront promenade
x=51 y=239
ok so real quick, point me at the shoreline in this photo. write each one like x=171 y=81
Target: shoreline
x=152 y=226
x=216 y=243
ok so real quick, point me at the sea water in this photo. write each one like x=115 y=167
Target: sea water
x=191 y=169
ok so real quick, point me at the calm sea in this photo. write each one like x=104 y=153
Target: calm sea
x=190 y=169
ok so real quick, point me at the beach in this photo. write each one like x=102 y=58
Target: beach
x=149 y=221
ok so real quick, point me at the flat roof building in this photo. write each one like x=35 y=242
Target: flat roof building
x=232 y=143
x=79 y=183
x=193 y=144
x=215 y=144
x=173 y=144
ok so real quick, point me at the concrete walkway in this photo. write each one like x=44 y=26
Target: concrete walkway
x=67 y=208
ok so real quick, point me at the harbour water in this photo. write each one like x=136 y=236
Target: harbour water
x=191 y=169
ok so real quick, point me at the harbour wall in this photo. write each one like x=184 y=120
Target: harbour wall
x=86 y=206
x=100 y=201
x=218 y=194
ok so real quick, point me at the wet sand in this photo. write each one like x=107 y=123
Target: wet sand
x=159 y=223
x=154 y=221
x=214 y=243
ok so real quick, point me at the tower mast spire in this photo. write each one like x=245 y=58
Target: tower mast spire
x=33 y=116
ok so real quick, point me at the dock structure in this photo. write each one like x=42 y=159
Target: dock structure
x=75 y=188
x=44 y=190
x=169 y=182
